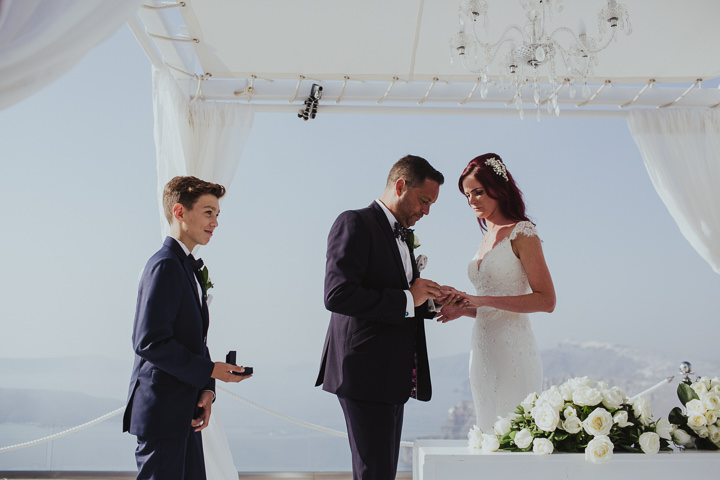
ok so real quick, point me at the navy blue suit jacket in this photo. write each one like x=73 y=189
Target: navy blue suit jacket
x=172 y=363
x=371 y=348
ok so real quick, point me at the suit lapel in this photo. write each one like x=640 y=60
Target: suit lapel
x=177 y=250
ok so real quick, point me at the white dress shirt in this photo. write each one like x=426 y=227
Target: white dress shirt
x=406 y=260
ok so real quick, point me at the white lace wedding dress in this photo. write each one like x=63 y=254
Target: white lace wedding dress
x=505 y=364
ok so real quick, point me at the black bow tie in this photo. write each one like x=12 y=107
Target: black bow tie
x=196 y=265
x=401 y=232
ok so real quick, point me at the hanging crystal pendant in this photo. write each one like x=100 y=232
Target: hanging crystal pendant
x=533 y=50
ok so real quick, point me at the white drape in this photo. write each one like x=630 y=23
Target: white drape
x=204 y=139
x=681 y=151
x=40 y=40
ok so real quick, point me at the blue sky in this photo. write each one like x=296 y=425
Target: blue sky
x=78 y=186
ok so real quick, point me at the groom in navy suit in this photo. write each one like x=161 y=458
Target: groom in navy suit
x=172 y=387
x=375 y=356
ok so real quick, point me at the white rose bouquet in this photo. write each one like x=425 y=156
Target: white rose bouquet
x=581 y=416
x=699 y=426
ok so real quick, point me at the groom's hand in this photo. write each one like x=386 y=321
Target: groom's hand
x=223 y=371
x=423 y=290
x=204 y=406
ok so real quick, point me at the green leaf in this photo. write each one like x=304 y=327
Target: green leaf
x=676 y=417
x=686 y=393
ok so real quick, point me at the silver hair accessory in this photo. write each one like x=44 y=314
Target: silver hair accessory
x=498 y=167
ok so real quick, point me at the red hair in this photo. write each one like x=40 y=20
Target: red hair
x=508 y=195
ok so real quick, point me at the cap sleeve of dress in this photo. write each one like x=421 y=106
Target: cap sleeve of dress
x=525 y=228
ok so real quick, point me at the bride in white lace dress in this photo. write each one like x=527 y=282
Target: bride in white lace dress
x=512 y=280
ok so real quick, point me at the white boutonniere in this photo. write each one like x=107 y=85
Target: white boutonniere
x=414 y=241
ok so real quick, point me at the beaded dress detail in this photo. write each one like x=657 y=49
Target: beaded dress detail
x=505 y=364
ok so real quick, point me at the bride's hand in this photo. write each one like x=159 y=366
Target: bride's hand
x=449 y=296
x=450 y=312
x=473 y=301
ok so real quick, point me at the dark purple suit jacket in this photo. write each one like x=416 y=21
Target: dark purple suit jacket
x=172 y=362
x=371 y=348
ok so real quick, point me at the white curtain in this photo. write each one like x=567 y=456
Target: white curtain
x=681 y=151
x=40 y=40
x=204 y=139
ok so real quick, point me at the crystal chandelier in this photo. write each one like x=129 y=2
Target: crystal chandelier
x=528 y=55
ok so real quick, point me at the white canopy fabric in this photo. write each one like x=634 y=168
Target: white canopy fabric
x=204 y=139
x=681 y=151
x=245 y=46
x=263 y=52
x=41 y=40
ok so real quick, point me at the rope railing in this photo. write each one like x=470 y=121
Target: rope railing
x=296 y=421
x=55 y=436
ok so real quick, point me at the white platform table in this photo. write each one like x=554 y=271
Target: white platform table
x=454 y=460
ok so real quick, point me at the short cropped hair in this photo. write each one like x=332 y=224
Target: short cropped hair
x=186 y=191
x=415 y=170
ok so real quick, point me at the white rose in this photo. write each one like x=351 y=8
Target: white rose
x=580 y=381
x=502 y=426
x=710 y=417
x=523 y=439
x=543 y=446
x=552 y=397
x=566 y=392
x=415 y=241
x=613 y=398
x=695 y=407
x=712 y=401
x=567 y=388
x=663 y=429
x=700 y=388
x=475 y=437
x=682 y=438
x=599 y=450
x=696 y=421
x=490 y=443
x=703 y=432
x=715 y=382
x=650 y=443
x=641 y=409
x=621 y=418
x=546 y=417
x=598 y=423
x=586 y=396
x=714 y=434
x=572 y=425
x=529 y=401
